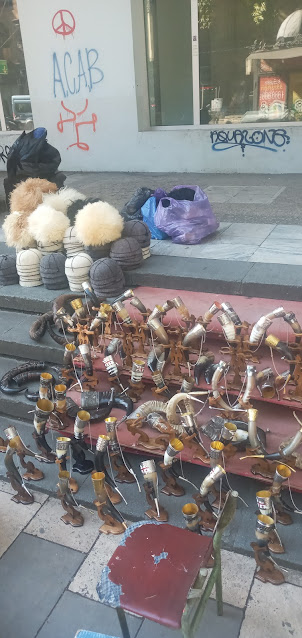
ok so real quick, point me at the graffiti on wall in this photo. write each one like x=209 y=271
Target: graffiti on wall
x=73 y=74
x=4 y=151
x=83 y=146
x=272 y=139
x=63 y=23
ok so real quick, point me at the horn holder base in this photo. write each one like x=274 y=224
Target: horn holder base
x=267 y=572
x=73 y=517
x=207 y=518
x=123 y=475
x=113 y=496
x=47 y=456
x=81 y=465
x=111 y=525
x=152 y=513
x=32 y=473
x=171 y=487
x=3 y=444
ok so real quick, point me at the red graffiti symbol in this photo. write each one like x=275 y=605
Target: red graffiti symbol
x=60 y=124
x=63 y=22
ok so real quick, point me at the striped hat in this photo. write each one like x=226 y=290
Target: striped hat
x=8 y=271
x=77 y=270
x=107 y=279
x=28 y=267
x=52 y=269
x=72 y=245
x=127 y=253
x=50 y=247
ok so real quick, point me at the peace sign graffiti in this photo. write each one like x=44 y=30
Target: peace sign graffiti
x=63 y=22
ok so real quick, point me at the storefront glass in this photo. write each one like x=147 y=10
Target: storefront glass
x=15 y=106
x=250 y=61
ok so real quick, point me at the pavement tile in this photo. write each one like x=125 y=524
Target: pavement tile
x=272 y=611
x=237 y=575
x=15 y=516
x=74 y=612
x=226 y=626
x=287 y=232
x=277 y=255
x=86 y=579
x=234 y=251
x=293 y=577
x=48 y=525
x=35 y=574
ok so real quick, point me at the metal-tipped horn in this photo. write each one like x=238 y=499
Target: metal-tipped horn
x=197 y=332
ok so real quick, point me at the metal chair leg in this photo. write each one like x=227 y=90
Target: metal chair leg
x=123 y=622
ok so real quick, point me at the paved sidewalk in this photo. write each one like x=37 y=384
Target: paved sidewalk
x=49 y=574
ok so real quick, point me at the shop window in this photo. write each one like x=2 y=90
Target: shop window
x=249 y=66
x=15 y=105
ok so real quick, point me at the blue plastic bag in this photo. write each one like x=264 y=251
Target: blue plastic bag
x=148 y=213
x=186 y=222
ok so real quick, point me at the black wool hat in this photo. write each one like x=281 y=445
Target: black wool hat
x=8 y=270
x=127 y=253
x=139 y=230
x=106 y=277
x=74 y=208
x=52 y=270
x=98 y=252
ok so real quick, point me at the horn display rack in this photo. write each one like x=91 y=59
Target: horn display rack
x=275 y=396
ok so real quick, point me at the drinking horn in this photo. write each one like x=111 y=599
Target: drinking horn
x=292 y=320
x=221 y=369
x=100 y=404
x=264 y=323
x=196 y=333
x=156 y=358
x=258 y=445
x=250 y=386
x=283 y=349
x=11 y=381
x=203 y=362
x=229 y=310
x=137 y=303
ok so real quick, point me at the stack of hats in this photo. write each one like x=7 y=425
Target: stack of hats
x=47 y=226
x=28 y=267
x=98 y=252
x=107 y=279
x=52 y=269
x=77 y=270
x=50 y=247
x=140 y=231
x=72 y=245
x=8 y=270
x=127 y=253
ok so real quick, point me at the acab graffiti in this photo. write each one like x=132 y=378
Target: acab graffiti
x=71 y=76
x=272 y=139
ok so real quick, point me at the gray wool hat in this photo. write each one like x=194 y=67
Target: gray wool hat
x=106 y=277
x=8 y=270
x=127 y=253
x=139 y=230
x=98 y=252
x=52 y=270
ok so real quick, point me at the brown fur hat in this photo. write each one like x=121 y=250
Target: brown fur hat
x=27 y=195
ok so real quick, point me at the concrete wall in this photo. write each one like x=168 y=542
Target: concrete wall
x=97 y=71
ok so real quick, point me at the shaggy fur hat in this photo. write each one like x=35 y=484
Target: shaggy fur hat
x=107 y=278
x=63 y=198
x=16 y=231
x=127 y=252
x=98 y=224
x=74 y=208
x=29 y=194
x=47 y=225
x=8 y=271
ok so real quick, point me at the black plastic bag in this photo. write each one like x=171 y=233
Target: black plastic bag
x=32 y=155
x=132 y=210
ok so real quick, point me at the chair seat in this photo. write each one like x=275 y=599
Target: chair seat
x=152 y=571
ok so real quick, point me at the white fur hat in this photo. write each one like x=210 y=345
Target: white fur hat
x=62 y=199
x=16 y=231
x=77 y=270
x=98 y=224
x=28 y=267
x=47 y=225
x=72 y=244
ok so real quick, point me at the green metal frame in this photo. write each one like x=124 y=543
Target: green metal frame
x=199 y=595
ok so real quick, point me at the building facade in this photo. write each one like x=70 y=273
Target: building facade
x=165 y=85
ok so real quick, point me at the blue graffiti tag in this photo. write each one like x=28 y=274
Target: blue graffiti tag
x=72 y=77
x=265 y=139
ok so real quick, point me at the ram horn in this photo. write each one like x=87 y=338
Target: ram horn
x=264 y=323
x=9 y=377
x=171 y=412
x=60 y=339
x=147 y=408
x=250 y=385
x=39 y=326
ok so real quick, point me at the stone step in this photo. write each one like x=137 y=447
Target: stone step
x=16 y=342
x=32 y=300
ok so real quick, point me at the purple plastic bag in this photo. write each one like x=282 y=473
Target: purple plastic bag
x=184 y=221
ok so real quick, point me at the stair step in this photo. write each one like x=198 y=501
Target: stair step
x=34 y=300
x=16 y=342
